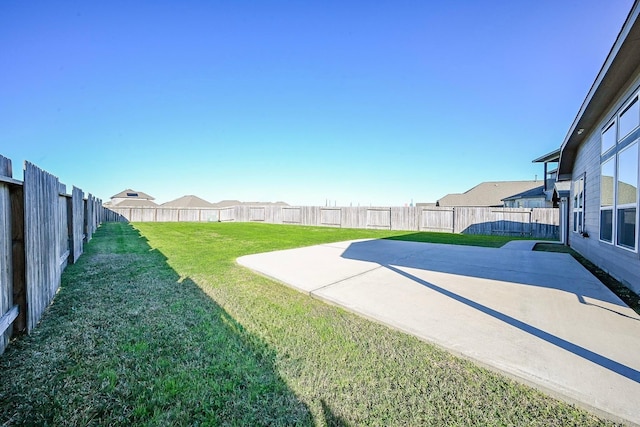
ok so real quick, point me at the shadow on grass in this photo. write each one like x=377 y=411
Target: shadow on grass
x=129 y=341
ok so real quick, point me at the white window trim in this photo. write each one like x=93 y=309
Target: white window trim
x=634 y=98
x=626 y=205
x=613 y=123
x=615 y=227
x=576 y=208
x=611 y=207
x=614 y=152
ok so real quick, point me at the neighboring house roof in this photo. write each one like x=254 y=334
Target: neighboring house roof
x=227 y=203
x=534 y=193
x=626 y=192
x=189 y=201
x=619 y=67
x=132 y=194
x=487 y=193
x=134 y=203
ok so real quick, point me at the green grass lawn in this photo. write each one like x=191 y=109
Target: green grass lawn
x=158 y=325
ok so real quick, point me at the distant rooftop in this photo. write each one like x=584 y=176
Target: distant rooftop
x=189 y=201
x=534 y=193
x=132 y=194
x=488 y=193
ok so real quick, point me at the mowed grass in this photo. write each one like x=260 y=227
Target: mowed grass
x=158 y=325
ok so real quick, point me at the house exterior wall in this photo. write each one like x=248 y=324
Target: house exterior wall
x=620 y=263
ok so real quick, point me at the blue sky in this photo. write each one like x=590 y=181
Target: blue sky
x=363 y=103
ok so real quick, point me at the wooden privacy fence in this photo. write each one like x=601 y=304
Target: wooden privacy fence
x=534 y=223
x=42 y=229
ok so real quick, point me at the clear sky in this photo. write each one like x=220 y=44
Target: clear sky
x=356 y=102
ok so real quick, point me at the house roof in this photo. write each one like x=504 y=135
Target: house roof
x=227 y=203
x=189 y=201
x=487 y=193
x=619 y=67
x=533 y=193
x=563 y=188
x=132 y=194
x=134 y=203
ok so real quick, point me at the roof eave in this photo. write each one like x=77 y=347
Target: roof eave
x=549 y=157
x=621 y=62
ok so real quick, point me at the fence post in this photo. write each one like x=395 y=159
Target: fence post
x=7 y=311
x=18 y=258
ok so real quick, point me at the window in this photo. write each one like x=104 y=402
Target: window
x=608 y=137
x=619 y=177
x=629 y=118
x=578 y=205
x=627 y=196
x=607 y=186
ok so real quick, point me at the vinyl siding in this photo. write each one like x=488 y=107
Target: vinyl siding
x=620 y=263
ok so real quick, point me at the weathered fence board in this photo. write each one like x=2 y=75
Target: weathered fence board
x=437 y=219
x=291 y=215
x=19 y=281
x=534 y=223
x=42 y=237
x=6 y=292
x=379 y=218
x=76 y=226
x=330 y=216
x=257 y=213
x=41 y=230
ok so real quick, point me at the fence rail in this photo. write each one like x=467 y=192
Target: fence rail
x=42 y=229
x=534 y=223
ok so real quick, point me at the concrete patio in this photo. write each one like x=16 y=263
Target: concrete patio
x=538 y=317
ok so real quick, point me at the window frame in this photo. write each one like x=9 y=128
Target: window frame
x=610 y=208
x=578 y=187
x=627 y=106
x=622 y=207
x=613 y=153
x=611 y=125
